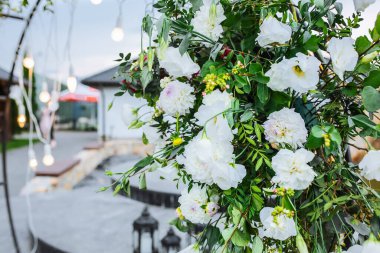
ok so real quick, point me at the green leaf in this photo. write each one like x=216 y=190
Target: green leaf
x=313 y=142
x=260 y=78
x=262 y=92
x=255 y=68
x=227 y=233
x=240 y=238
x=184 y=44
x=259 y=163
x=317 y=132
x=246 y=116
x=146 y=77
x=142 y=181
x=377 y=24
x=196 y=4
x=144 y=139
x=335 y=135
x=371 y=99
x=110 y=106
x=117 y=189
x=313 y=43
x=362 y=44
x=257 y=245
x=373 y=79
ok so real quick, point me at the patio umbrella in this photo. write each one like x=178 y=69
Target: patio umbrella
x=83 y=93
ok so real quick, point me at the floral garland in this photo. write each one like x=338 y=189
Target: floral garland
x=253 y=105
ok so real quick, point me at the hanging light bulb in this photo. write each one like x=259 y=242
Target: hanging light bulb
x=44 y=95
x=21 y=118
x=28 y=61
x=33 y=163
x=48 y=158
x=71 y=81
x=96 y=2
x=118 y=32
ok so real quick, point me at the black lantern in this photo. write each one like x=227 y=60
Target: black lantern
x=145 y=233
x=171 y=243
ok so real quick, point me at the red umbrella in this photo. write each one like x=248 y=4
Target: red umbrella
x=83 y=93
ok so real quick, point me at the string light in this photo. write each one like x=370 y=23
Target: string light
x=33 y=163
x=44 y=94
x=28 y=62
x=48 y=159
x=117 y=33
x=21 y=118
x=96 y=2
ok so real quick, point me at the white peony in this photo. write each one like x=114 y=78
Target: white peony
x=178 y=65
x=280 y=229
x=207 y=20
x=361 y=5
x=191 y=205
x=213 y=104
x=354 y=249
x=210 y=161
x=285 y=127
x=292 y=169
x=176 y=98
x=343 y=55
x=370 y=165
x=273 y=31
x=300 y=73
x=228 y=176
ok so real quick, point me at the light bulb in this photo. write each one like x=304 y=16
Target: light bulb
x=28 y=62
x=117 y=34
x=96 y=2
x=21 y=120
x=48 y=158
x=71 y=83
x=33 y=163
x=44 y=96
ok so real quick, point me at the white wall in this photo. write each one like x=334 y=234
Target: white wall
x=114 y=125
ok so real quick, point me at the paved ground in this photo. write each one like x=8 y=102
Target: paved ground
x=68 y=144
x=77 y=221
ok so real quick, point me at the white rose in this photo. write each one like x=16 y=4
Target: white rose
x=285 y=127
x=273 y=31
x=361 y=5
x=302 y=74
x=371 y=246
x=207 y=20
x=178 y=65
x=176 y=98
x=292 y=169
x=281 y=229
x=343 y=55
x=370 y=165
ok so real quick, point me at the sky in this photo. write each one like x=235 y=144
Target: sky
x=92 y=49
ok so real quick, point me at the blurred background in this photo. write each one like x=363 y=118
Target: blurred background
x=62 y=54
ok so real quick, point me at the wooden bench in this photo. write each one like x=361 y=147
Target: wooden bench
x=57 y=169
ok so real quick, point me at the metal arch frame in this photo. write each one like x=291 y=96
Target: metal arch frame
x=4 y=127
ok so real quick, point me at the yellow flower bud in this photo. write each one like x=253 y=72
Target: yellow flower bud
x=177 y=141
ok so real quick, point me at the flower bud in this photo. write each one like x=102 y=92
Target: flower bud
x=301 y=245
x=177 y=141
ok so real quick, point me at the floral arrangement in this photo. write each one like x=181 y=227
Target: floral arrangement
x=253 y=106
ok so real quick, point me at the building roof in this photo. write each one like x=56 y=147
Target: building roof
x=4 y=76
x=105 y=78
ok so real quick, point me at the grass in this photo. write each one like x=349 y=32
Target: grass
x=17 y=143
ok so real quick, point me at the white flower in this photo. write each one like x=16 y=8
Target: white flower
x=176 y=98
x=168 y=172
x=300 y=73
x=371 y=246
x=207 y=20
x=370 y=165
x=280 y=229
x=354 y=249
x=285 y=127
x=213 y=104
x=273 y=31
x=361 y=5
x=165 y=81
x=212 y=208
x=292 y=170
x=191 y=205
x=191 y=249
x=228 y=176
x=129 y=114
x=178 y=65
x=343 y=55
